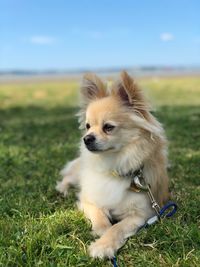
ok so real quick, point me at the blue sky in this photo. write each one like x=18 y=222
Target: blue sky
x=105 y=33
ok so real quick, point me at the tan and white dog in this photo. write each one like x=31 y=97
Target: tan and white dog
x=120 y=136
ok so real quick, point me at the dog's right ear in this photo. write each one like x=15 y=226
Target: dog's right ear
x=92 y=88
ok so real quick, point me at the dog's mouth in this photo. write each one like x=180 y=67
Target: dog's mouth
x=95 y=149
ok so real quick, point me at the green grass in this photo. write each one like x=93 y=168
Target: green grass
x=39 y=133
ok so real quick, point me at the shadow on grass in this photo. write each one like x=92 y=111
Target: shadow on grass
x=39 y=124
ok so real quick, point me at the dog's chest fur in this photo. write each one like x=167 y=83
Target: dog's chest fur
x=100 y=187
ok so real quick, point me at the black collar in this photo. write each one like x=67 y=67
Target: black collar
x=132 y=175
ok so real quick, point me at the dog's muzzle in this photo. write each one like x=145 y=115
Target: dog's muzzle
x=90 y=142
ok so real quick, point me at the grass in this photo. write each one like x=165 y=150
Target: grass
x=39 y=133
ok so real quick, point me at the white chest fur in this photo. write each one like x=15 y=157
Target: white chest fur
x=103 y=189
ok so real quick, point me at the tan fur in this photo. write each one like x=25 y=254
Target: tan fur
x=135 y=97
x=98 y=218
x=137 y=139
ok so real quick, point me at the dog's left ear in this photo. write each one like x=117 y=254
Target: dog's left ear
x=130 y=94
x=92 y=88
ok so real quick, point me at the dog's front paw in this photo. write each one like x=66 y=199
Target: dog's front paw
x=62 y=188
x=102 y=249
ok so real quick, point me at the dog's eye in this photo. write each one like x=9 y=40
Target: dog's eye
x=87 y=126
x=107 y=128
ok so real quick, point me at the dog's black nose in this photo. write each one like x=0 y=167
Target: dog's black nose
x=89 y=139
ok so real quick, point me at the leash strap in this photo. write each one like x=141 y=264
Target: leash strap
x=138 y=184
x=114 y=261
x=166 y=211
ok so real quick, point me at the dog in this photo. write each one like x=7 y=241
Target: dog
x=120 y=137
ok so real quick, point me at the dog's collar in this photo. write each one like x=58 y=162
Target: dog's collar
x=136 y=176
x=139 y=184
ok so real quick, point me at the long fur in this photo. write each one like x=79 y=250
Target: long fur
x=138 y=139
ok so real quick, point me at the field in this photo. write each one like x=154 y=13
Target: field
x=39 y=134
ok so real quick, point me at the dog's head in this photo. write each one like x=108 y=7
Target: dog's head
x=113 y=118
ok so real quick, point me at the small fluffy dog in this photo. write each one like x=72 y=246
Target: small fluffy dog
x=120 y=137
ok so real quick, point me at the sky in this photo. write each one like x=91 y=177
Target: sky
x=79 y=34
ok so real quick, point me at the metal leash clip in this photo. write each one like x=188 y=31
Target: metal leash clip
x=154 y=204
x=146 y=187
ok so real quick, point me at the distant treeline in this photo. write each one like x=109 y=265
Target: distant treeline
x=100 y=70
